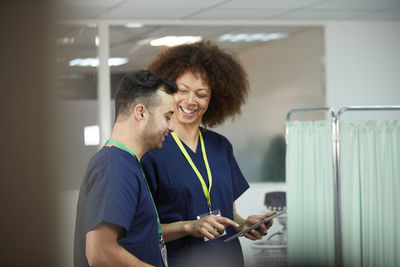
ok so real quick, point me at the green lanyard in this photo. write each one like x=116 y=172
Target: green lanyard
x=123 y=147
x=206 y=190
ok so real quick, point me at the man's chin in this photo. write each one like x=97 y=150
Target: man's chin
x=159 y=146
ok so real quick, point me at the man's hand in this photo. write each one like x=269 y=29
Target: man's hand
x=261 y=231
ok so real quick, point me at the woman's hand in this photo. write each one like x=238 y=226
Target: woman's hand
x=261 y=231
x=210 y=226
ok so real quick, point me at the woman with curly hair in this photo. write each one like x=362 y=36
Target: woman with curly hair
x=195 y=178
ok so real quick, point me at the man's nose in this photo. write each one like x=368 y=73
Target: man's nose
x=171 y=125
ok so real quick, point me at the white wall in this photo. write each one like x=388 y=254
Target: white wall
x=363 y=65
x=283 y=74
x=74 y=116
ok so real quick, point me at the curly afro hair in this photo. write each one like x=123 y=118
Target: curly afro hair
x=219 y=69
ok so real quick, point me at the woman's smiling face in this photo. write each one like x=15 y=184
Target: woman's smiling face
x=192 y=99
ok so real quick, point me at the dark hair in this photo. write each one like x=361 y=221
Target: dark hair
x=140 y=86
x=219 y=69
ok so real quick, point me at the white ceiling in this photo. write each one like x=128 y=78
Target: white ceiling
x=207 y=18
x=231 y=9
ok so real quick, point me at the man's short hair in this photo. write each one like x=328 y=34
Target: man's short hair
x=140 y=86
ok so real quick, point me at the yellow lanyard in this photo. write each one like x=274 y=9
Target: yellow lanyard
x=203 y=150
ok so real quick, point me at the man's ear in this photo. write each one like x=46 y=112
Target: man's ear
x=139 y=112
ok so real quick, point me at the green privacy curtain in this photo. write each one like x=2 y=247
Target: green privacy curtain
x=370 y=186
x=310 y=194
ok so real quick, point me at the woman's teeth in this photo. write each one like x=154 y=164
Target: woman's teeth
x=189 y=111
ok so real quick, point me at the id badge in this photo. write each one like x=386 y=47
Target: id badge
x=163 y=249
x=213 y=212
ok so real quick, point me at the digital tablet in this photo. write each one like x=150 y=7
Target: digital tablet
x=254 y=226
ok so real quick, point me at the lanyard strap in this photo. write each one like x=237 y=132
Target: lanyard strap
x=123 y=147
x=206 y=190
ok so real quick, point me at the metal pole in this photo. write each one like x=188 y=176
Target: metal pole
x=337 y=208
x=367 y=108
x=103 y=85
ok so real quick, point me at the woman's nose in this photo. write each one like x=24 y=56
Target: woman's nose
x=190 y=97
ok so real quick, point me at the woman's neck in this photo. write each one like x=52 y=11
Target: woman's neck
x=189 y=134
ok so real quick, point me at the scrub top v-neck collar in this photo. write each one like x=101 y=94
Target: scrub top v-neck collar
x=198 y=149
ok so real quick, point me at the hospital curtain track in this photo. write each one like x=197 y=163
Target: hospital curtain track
x=367 y=193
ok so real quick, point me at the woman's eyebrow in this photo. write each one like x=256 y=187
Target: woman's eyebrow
x=198 y=89
x=184 y=84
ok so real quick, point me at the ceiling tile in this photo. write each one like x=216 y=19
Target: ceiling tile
x=323 y=15
x=79 y=12
x=358 y=4
x=170 y=4
x=88 y=3
x=147 y=13
x=281 y=4
x=232 y=14
x=384 y=16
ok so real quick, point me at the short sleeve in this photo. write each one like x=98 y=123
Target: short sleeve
x=112 y=198
x=239 y=183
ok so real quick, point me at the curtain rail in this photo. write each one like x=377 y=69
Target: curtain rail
x=305 y=110
x=367 y=108
x=308 y=110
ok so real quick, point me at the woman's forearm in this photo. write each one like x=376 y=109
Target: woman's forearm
x=238 y=219
x=175 y=230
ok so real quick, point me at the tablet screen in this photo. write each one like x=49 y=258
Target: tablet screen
x=254 y=226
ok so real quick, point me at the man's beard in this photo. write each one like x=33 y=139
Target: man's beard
x=152 y=138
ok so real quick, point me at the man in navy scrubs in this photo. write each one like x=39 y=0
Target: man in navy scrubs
x=117 y=223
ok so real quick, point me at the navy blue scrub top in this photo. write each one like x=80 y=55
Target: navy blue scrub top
x=179 y=196
x=115 y=191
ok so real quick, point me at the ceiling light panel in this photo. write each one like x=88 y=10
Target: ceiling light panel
x=175 y=40
x=255 y=37
x=94 y=62
x=134 y=25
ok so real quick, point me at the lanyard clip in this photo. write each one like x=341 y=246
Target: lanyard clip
x=209 y=209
